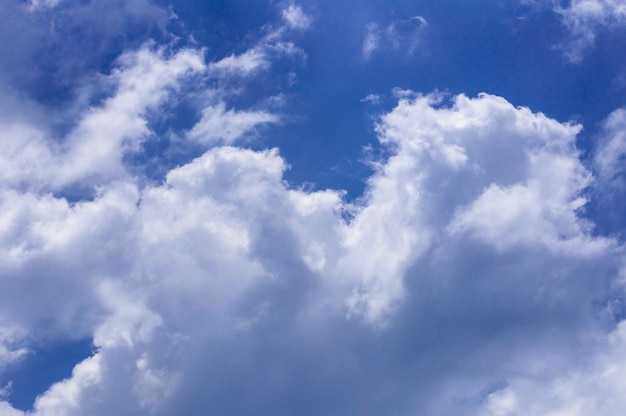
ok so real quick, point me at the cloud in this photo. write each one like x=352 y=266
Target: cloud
x=92 y=151
x=372 y=99
x=371 y=41
x=219 y=125
x=8 y=410
x=36 y=4
x=612 y=149
x=9 y=352
x=296 y=18
x=225 y=276
x=466 y=278
x=609 y=188
x=273 y=44
x=244 y=64
x=583 y=18
x=448 y=174
x=403 y=34
x=592 y=387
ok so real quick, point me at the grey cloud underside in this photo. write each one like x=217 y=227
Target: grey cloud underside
x=467 y=279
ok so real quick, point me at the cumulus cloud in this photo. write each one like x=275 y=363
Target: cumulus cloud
x=504 y=206
x=466 y=278
x=225 y=276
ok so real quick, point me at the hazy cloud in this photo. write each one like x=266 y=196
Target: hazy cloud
x=296 y=18
x=404 y=35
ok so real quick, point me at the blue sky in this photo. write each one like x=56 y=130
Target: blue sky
x=278 y=208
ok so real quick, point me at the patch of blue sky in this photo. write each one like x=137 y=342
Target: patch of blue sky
x=46 y=363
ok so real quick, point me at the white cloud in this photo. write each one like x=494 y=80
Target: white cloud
x=259 y=57
x=93 y=150
x=145 y=78
x=7 y=410
x=244 y=64
x=177 y=281
x=296 y=18
x=584 y=17
x=10 y=351
x=66 y=397
x=372 y=99
x=466 y=259
x=219 y=125
x=6 y=390
x=611 y=151
x=453 y=171
x=371 y=41
x=591 y=387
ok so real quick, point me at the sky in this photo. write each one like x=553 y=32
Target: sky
x=312 y=208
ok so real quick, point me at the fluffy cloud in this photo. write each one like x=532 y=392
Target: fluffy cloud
x=466 y=279
x=223 y=276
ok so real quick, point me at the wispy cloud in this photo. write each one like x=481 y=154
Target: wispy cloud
x=372 y=99
x=296 y=18
x=37 y=4
x=404 y=34
x=219 y=125
x=583 y=18
x=243 y=64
